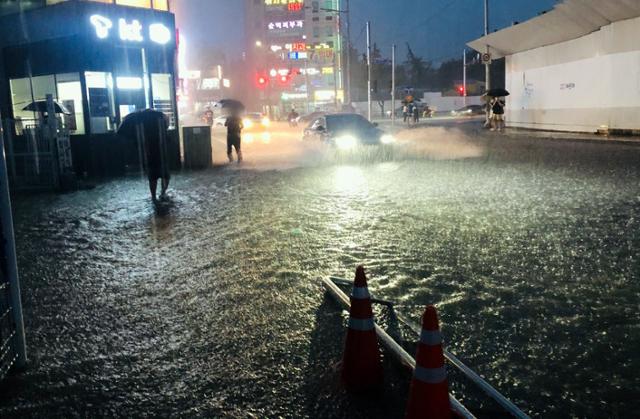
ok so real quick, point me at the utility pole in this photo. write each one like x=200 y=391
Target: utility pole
x=487 y=64
x=393 y=84
x=369 y=70
x=306 y=82
x=464 y=77
x=347 y=78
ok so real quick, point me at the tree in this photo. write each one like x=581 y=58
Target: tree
x=419 y=71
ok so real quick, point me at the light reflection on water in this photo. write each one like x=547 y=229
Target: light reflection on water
x=534 y=270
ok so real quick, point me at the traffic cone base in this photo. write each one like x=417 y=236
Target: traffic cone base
x=429 y=392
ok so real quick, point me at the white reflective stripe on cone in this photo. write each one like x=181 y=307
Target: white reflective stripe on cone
x=430 y=375
x=431 y=337
x=361 y=324
x=360 y=293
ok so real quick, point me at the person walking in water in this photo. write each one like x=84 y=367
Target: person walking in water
x=234 y=135
x=148 y=129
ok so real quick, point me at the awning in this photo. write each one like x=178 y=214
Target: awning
x=568 y=20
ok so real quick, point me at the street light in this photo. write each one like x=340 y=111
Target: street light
x=258 y=43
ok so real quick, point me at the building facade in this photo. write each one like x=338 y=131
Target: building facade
x=574 y=68
x=101 y=60
x=294 y=55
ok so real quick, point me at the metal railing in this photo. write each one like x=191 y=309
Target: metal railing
x=12 y=340
x=494 y=394
x=36 y=154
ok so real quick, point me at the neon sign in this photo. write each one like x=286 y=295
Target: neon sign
x=282 y=2
x=130 y=31
x=290 y=24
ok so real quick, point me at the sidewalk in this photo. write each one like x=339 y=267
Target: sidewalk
x=571 y=136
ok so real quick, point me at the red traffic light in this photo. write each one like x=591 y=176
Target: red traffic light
x=461 y=90
x=261 y=81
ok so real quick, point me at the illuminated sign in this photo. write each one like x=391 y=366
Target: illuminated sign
x=309 y=71
x=295 y=46
x=159 y=33
x=293 y=96
x=130 y=31
x=298 y=56
x=294 y=7
x=298 y=46
x=283 y=2
x=289 y=24
x=328 y=95
x=210 y=84
x=327 y=70
x=102 y=25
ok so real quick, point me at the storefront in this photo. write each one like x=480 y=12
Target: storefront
x=101 y=62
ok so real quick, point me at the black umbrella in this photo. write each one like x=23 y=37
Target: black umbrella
x=41 y=106
x=145 y=117
x=497 y=92
x=231 y=104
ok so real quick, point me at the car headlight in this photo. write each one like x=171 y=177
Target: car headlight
x=266 y=122
x=346 y=142
x=387 y=139
x=247 y=123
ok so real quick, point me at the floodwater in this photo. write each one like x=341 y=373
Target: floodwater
x=209 y=305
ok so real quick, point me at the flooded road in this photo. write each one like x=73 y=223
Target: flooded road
x=209 y=304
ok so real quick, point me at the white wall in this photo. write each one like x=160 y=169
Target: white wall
x=440 y=103
x=581 y=85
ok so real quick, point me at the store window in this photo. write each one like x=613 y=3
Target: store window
x=162 y=87
x=101 y=102
x=24 y=91
x=70 y=96
x=20 y=98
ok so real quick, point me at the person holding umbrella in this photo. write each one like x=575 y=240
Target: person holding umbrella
x=234 y=127
x=497 y=105
x=149 y=128
x=497 y=114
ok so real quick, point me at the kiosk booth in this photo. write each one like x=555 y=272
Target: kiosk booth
x=101 y=62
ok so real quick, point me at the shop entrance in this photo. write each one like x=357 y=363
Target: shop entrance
x=130 y=98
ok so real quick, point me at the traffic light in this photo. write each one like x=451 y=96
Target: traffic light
x=262 y=81
x=461 y=90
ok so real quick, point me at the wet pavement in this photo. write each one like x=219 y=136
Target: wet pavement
x=208 y=304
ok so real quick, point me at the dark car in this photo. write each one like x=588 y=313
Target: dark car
x=346 y=131
x=469 y=110
x=305 y=119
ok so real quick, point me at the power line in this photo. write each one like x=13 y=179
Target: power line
x=433 y=16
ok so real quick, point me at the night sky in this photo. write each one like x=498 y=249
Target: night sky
x=436 y=29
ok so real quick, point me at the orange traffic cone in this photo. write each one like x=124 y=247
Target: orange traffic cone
x=361 y=365
x=429 y=394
